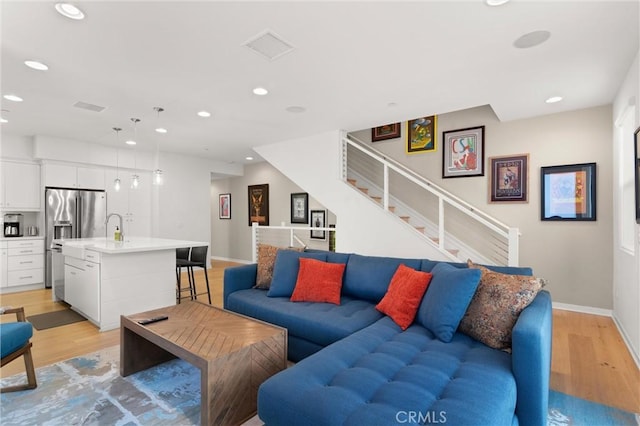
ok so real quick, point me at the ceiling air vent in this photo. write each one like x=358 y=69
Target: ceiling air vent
x=89 y=107
x=269 y=45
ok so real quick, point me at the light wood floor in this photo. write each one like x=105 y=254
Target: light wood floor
x=590 y=360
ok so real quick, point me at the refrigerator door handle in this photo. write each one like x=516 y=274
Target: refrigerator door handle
x=78 y=217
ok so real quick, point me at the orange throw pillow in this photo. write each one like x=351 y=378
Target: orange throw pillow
x=318 y=282
x=404 y=295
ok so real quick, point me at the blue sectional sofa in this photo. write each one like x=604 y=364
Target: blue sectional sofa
x=356 y=366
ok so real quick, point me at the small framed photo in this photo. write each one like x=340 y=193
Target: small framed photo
x=259 y=204
x=509 y=180
x=300 y=207
x=421 y=134
x=224 y=210
x=568 y=192
x=463 y=152
x=318 y=220
x=389 y=131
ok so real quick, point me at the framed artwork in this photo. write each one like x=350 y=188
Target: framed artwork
x=463 y=152
x=389 y=131
x=318 y=220
x=509 y=180
x=636 y=156
x=568 y=192
x=300 y=207
x=259 y=204
x=421 y=134
x=224 y=205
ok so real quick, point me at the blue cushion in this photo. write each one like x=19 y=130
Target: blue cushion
x=380 y=372
x=428 y=265
x=447 y=299
x=321 y=323
x=332 y=256
x=285 y=271
x=368 y=277
x=13 y=336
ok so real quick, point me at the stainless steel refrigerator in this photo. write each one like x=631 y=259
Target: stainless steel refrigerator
x=70 y=213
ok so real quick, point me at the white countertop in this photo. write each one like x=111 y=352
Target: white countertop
x=129 y=245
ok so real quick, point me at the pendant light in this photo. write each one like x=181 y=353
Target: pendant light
x=116 y=181
x=157 y=173
x=135 y=179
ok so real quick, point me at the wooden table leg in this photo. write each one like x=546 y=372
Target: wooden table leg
x=137 y=353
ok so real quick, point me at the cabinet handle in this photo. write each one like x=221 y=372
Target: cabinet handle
x=26 y=277
x=26 y=251
x=26 y=262
x=88 y=265
x=72 y=273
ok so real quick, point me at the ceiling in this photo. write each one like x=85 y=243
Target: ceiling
x=354 y=65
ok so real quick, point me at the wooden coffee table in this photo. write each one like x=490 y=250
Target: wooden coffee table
x=234 y=353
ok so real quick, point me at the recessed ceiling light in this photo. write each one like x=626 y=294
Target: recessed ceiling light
x=496 y=2
x=36 y=65
x=130 y=142
x=161 y=130
x=248 y=158
x=296 y=109
x=532 y=39
x=69 y=10
x=204 y=114
x=392 y=104
x=13 y=98
x=3 y=120
x=554 y=99
x=260 y=91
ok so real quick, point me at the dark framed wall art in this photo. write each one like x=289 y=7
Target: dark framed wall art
x=568 y=192
x=509 y=179
x=259 y=204
x=224 y=203
x=421 y=134
x=388 y=131
x=300 y=207
x=636 y=156
x=318 y=220
x=463 y=152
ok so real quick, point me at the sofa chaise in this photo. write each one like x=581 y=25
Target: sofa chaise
x=357 y=366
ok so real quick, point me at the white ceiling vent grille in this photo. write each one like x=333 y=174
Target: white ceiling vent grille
x=90 y=107
x=269 y=44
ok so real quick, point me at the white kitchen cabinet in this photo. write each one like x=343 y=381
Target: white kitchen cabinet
x=3 y=263
x=24 y=262
x=82 y=286
x=20 y=186
x=66 y=176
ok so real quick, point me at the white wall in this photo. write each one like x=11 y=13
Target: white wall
x=314 y=164
x=576 y=257
x=626 y=264
x=231 y=239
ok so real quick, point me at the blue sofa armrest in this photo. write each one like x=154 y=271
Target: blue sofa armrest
x=531 y=360
x=238 y=278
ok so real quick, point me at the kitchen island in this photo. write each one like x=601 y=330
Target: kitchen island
x=104 y=279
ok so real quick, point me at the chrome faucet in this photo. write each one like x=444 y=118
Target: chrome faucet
x=106 y=232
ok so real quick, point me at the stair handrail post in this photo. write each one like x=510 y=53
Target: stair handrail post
x=441 y=223
x=254 y=242
x=344 y=145
x=385 y=192
x=514 y=244
x=291 y=237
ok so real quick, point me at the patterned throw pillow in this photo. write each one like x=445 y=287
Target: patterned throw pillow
x=266 y=260
x=496 y=306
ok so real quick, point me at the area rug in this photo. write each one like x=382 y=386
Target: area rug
x=88 y=390
x=55 y=319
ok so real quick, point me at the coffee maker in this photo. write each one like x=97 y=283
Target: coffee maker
x=13 y=225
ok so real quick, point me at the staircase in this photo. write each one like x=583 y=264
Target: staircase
x=458 y=230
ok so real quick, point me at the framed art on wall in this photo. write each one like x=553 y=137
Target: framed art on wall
x=568 y=192
x=463 y=152
x=389 y=131
x=224 y=202
x=421 y=134
x=509 y=179
x=300 y=207
x=259 y=204
x=318 y=220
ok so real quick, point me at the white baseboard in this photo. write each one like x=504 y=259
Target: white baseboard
x=227 y=259
x=17 y=289
x=627 y=341
x=583 y=309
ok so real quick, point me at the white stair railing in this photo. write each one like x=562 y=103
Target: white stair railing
x=456 y=220
x=288 y=236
